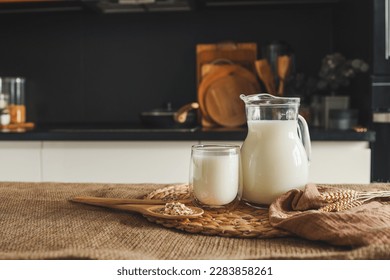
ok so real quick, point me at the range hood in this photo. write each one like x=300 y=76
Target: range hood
x=139 y=6
x=236 y=3
x=30 y=6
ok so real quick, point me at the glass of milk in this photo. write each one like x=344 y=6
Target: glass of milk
x=215 y=176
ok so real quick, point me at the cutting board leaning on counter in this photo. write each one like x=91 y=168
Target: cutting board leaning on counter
x=226 y=70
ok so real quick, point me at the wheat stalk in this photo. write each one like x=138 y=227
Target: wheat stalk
x=340 y=206
x=346 y=199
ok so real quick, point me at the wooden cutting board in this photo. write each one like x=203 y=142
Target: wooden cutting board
x=243 y=54
x=211 y=74
x=219 y=92
x=212 y=62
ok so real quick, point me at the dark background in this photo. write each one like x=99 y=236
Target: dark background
x=88 y=67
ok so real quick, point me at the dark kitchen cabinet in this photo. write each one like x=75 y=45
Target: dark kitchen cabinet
x=381 y=38
x=380 y=90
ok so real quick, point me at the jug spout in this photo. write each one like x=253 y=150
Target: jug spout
x=243 y=97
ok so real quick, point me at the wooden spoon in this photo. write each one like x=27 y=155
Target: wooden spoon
x=146 y=209
x=284 y=65
x=263 y=69
x=113 y=201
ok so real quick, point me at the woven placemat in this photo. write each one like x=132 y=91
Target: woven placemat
x=243 y=222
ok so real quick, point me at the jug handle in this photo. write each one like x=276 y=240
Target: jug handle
x=303 y=130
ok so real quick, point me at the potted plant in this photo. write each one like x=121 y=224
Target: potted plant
x=336 y=73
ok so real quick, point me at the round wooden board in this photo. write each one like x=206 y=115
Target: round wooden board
x=214 y=73
x=219 y=91
x=243 y=222
x=223 y=103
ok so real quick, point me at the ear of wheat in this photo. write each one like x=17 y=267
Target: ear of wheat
x=346 y=199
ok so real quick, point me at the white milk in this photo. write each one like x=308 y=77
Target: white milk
x=274 y=160
x=215 y=178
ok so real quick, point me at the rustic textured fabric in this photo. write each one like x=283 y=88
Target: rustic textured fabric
x=37 y=221
x=367 y=224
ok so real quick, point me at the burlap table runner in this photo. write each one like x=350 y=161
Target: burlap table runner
x=38 y=222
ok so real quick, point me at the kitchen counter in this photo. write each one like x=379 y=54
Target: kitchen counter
x=138 y=133
x=39 y=222
x=85 y=153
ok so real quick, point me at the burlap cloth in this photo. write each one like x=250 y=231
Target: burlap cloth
x=38 y=222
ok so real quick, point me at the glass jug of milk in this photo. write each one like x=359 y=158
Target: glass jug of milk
x=275 y=155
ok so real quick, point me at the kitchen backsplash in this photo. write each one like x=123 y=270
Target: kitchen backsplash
x=89 y=67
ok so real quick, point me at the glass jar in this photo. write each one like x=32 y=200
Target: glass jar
x=15 y=88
